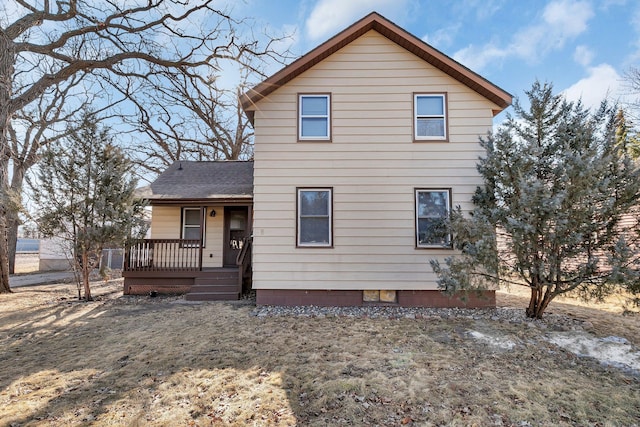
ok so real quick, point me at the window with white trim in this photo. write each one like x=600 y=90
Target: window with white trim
x=432 y=208
x=191 y=220
x=314 y=120
x=430 y=121
x=314 y=217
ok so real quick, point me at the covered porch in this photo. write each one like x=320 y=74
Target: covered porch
x=200 y=234
x=174 y=266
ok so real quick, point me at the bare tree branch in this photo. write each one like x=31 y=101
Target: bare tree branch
x=51 y=43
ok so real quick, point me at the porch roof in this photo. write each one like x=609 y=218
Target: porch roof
x=212 y=181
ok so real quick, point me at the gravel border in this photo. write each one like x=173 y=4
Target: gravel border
x=501 y=314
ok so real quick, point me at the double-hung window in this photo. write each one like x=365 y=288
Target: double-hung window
x=432 y=209
x=430 y=117
x=191 y=224
x=315 y=217
x=314 y=121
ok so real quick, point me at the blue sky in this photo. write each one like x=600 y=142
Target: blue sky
x=583 y=47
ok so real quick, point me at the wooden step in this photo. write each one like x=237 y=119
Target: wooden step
x=212 y=296
x=231 y=287
x=223 y=286
x=199 y=281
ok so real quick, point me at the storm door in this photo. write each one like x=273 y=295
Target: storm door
x=235 y=228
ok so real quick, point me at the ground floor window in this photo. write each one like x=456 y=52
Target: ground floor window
x=193 y=223
x=432 y=207
x=314 y=217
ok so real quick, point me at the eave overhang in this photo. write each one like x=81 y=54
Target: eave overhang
x=388 y=29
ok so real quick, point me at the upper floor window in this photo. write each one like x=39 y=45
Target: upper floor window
x=314 y=121
x=314 y=217
x=192 y=223
x=432 y=208
x=430 y=117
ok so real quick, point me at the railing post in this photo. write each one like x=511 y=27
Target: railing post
x=125 y=259
x=243 y=260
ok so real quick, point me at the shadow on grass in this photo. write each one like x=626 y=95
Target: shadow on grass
x=137 y=362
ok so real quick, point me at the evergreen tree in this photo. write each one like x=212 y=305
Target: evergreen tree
x=85 y=191
x=626 y=136
x=558 y=190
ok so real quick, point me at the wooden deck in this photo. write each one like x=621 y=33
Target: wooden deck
x=175 y=267
x=206 y=285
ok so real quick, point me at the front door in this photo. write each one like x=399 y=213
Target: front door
x=236 y=228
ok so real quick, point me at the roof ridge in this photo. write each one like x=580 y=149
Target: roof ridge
x=393 y=32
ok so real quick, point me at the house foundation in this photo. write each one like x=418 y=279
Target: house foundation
x=404 y=298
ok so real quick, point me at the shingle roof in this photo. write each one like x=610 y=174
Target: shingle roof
x=376 y=22
x=190 y=180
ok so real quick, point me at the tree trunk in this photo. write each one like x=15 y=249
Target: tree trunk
x=4 y=256
x=12 y=239
x=86 y=271
x=538 y=302
x=13 y=220
x=6 y=80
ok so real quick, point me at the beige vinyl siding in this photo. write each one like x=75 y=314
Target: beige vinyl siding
x=372 y=164
x=630 y=220
x=166 y=224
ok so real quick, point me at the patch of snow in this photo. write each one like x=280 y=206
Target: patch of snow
x=611 y=351
x=498 y=342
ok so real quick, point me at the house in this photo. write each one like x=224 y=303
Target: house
x=361 y=146
x=200 y=224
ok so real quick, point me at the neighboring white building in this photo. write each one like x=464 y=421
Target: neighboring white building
x=54 y=255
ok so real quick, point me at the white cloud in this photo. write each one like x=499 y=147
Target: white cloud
x=329 y=16
x=481 y=9
x=477 y=58
x=485 y=8
x=567 y=18
x=583 y=55
x=561 y=20
x=443 y=38
x=602 y=82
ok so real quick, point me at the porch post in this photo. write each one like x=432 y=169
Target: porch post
x=203 y=218
x=125 y=259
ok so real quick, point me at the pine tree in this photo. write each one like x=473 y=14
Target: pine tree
x=626 y=136
x=553 y=213
x=85 y=191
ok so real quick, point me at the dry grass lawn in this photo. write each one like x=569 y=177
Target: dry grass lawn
x=139 y=361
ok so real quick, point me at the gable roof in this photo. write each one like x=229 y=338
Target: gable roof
x=382 y=25
x=190 y=181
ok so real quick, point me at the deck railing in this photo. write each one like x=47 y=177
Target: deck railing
x=243 y=260
x=164 y=255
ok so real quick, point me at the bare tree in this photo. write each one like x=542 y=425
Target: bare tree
x=81 y=36
x=188 y=117
x=632 y=80
x=38 y=124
